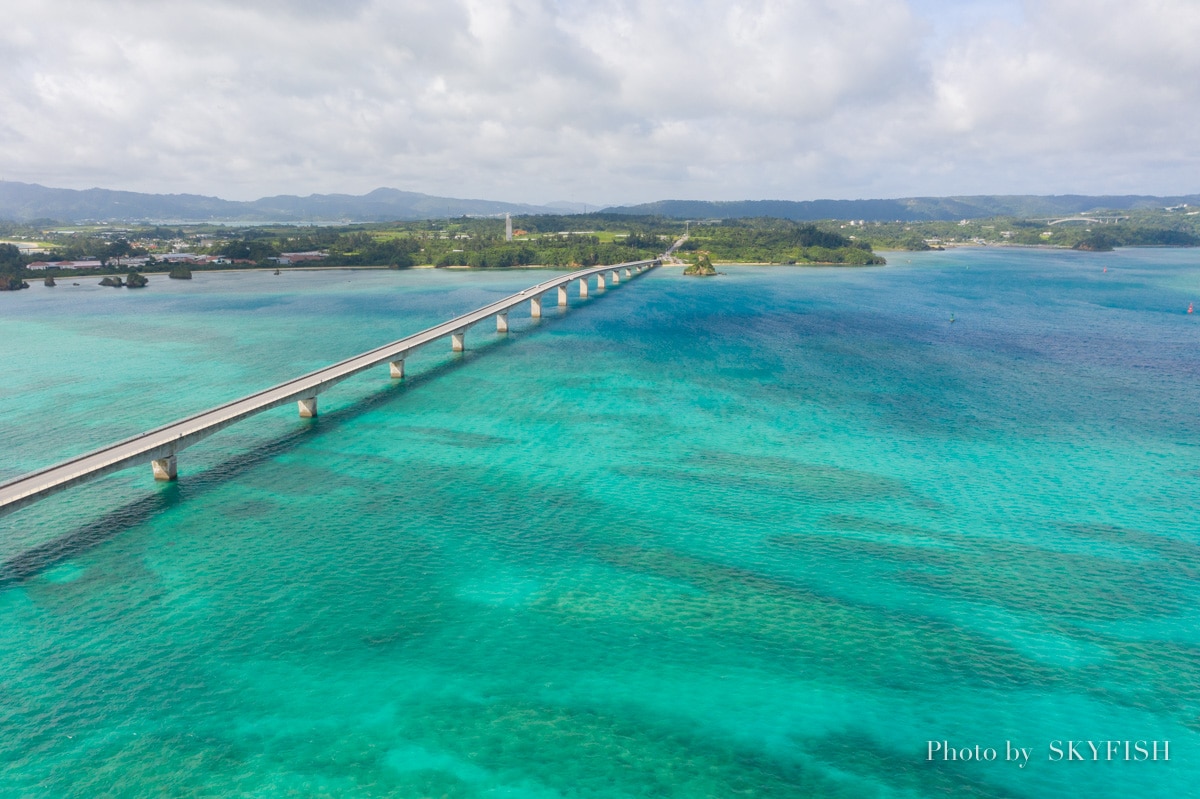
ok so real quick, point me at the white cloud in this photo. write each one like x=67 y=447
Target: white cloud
x=602 y=101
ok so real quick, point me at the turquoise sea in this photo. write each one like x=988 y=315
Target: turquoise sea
x=763 y=535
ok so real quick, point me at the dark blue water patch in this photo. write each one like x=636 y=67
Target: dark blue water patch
x=916 y=363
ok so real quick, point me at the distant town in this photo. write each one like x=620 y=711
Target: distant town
x=171 y=258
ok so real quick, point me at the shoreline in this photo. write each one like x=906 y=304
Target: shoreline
x=36 y=276
x=282 y=269
x=1008 y=245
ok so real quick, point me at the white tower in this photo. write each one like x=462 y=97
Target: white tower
x=507 y=227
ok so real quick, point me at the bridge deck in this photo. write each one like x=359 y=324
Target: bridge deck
x=169 y=439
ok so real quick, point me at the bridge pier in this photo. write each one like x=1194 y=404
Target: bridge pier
x=616 y=276
x=562 y=296
x=502 y=322
x=397 y=368
x=308 y=407
x=535 y=307
x=628 y=273
x=599 y=281
x=457 y=340
x=583 y=287
x=165 y=468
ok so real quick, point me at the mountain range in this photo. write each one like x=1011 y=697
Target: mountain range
x=911 y=209
x=26 y=202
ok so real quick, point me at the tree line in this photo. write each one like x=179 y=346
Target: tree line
x=12 y=267
x=778 y=241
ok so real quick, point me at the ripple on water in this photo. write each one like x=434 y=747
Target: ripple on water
x=759 y=537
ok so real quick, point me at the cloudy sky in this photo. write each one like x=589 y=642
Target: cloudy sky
x=603 y=101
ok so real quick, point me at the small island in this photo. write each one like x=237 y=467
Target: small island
x=134 y=280
x=181 y=272
x=702 y=267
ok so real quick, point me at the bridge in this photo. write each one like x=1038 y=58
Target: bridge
x=161 y=447
x=1092 y=219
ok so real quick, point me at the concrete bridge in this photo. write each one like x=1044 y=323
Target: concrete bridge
x=161 y=447
x=1089 y=219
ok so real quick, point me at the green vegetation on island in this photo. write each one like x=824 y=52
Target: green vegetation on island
x=1098 y=231
x=12 y=268
x=180 y=272
x=777 y=241
x=550 y=240
x=479 y=243
x=702 y=267
x=559 y=241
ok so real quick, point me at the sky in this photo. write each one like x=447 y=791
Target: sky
x=603 y=101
